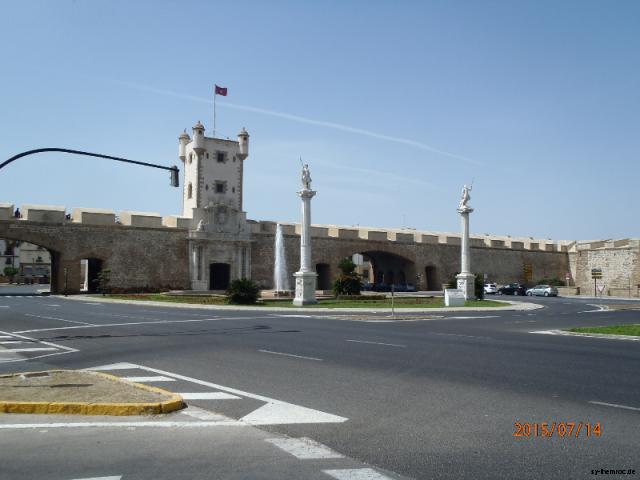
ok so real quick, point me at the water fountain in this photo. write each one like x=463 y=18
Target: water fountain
x=281 y=282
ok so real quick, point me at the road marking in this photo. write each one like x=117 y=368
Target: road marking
x=304 y=448
x=202 y=414
x=9 y=342
x=282 y=412
x=157 y=424
x=356 y=474
x=601 y=336
x=599 y=308
x=4 y=306
x=34 y=340
x=615 y=405
x=290 y=355
x=207 y=396
x=149 y=379
x=378 y=343
x=56 y=318
x=114 y=366
x=94 y=304
x=6 y=336
x=468 y=318
x=52 y=305
x=43 y=349
x=461 y=335
x=118 y=325
x=290 y=316
x=118 y=477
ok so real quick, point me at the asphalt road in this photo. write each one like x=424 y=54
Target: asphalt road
x=436 y=398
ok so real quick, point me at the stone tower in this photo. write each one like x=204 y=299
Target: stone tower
x=212 y=198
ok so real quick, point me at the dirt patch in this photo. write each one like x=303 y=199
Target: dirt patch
x=73 y=386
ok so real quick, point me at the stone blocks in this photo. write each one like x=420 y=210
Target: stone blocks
x=43 y=213
x=93 y=216
x=141 y=219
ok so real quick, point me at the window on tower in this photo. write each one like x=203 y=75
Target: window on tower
x=221 y=157
x=189 y=191
x=221 y=187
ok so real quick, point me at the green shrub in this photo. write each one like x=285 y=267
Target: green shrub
x=10 y=272
x=348 y=283
x=243 y=292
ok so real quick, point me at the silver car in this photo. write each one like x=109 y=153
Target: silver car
x=543 y=290
x=490 y=288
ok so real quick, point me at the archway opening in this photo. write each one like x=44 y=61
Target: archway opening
x=324 y=276
x=219 y=276
x=24 y=263
x=381 y=271
x=431 y=278
x=90 y=269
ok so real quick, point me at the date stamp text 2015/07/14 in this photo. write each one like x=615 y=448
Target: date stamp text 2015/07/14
x=557 y=429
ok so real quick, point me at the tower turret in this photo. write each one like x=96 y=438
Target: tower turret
x=243 y=144
x=183 y=139
x=198 y=138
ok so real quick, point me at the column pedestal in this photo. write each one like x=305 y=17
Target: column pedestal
x=305 y=288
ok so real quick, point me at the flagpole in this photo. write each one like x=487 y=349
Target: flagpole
x=214 y=113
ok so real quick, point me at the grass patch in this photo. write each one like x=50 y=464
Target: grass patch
x=633 y=330
x=381 y=302
x=157 y=297
x=417 y=302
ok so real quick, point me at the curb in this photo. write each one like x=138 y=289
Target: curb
x=175 y=402
x=511 y=307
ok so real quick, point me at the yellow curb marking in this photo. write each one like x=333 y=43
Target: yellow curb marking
x=175 y=402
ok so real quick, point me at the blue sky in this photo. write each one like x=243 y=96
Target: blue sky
x=394 y=104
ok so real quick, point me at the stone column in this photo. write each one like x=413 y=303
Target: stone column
x=306 y=277
x=466 y=279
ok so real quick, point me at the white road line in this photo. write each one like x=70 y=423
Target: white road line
x=118 y=477
x=94 y=304
x=4 y=306
x=56 y=318
x=615 y=405
x=290 y=316
x=43 y=349
x=205 y=415
x=114 y=366
x=6 y=336
x=149 y=379
x=64 y=350
x=9 y=342
x=601 y=336
x=356 y=474
x=461 y=335
x=52 y=305
x=468 y=318
x=157 y=424
x=291 y=355
x=275 y=412
x=378 y=343
x=304 y=448
x=119 y=325
x=207 y=396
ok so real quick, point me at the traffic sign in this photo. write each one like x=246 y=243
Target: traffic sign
x=596 y=273
x=601 y=288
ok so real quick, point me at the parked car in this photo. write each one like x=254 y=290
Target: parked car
x=366 y=286
x=512 y=289
x=543 y=290
x=490 y=288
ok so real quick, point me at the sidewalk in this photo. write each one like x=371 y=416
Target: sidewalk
x=513 y=306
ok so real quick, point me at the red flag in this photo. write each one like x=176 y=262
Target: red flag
x=221 y=91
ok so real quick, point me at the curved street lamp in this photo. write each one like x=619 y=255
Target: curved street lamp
x=174 y=170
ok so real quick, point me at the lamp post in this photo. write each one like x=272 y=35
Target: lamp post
x=174 y=180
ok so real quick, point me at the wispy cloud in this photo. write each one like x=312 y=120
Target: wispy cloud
x=300 y=119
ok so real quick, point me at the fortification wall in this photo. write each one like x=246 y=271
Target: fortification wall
x=620 y=264
x=501 y=258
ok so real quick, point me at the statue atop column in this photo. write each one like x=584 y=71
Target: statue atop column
x=464 y=200
x=306 y=177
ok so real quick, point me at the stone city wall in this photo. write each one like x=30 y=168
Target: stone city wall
x=620 y=264
x=502 y=259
